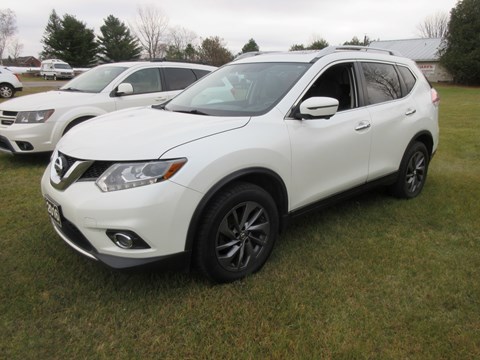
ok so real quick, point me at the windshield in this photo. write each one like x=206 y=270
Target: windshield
x=94 y=80
x=62 y=66
x=239 y=89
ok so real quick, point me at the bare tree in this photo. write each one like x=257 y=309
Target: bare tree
x=434 y=26
x=180 y=37
x=151 y=29
x=15 y=49
x=8 y=28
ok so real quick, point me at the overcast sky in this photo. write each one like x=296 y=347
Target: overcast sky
x=274 y=24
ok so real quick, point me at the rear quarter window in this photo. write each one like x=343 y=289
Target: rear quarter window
x=408 y=78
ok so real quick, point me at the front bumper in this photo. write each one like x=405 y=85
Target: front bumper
x=178 y=261
x=26 y=138
x=160 y=214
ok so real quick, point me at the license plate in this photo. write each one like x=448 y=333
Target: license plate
x=54 y=211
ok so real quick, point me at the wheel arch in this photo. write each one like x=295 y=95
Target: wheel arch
x=76 y=121
x=424 y=137
x=267 y=179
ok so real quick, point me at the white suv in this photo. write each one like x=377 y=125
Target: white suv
x=9 y=83
x=35 y=123
x=211 y=177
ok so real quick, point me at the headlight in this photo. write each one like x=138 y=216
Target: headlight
x=33 y=117
x=122 y=176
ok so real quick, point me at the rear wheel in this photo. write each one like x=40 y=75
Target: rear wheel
x=413 y=172
x=238 y=231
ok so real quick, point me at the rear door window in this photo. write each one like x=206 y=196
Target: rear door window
x=382 y=82
x=178 y=78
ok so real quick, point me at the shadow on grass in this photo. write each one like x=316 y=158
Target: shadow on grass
x=19 y=160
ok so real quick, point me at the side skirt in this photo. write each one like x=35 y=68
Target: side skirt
x=334 y=199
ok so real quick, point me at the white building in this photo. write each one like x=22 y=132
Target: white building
x=423 y=51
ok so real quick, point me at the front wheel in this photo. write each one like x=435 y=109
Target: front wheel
x=413 y=172
x=6 y=91
x=238 y=231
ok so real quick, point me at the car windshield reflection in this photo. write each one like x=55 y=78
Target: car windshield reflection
x=239 y=89
x=94 y=80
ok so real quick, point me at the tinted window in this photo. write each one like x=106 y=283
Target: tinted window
x=383 y=83
x=200 y=73
x=408 y=78
x=145 y=81
x=178 y=79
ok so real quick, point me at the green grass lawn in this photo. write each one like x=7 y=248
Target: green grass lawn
x=374 y=277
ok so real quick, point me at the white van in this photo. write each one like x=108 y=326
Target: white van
x=56 y=69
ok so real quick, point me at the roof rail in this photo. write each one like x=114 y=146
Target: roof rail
x=367 y=48
x=252 y=53
x=331 y=49
x=165 y=59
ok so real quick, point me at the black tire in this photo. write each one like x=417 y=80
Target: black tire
x=7 y=91
x=54 y=77
x=45 y=77
x=413 y=172
x=238 y=231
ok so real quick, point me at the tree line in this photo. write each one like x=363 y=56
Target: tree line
x=70 y=39
x=151 y=37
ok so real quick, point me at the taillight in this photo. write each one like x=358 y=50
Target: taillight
x=435 y=97
x=18 y=77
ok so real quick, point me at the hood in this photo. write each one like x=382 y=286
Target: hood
x=47 y=100
x=140 y=134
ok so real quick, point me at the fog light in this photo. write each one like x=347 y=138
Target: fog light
x=126 y=239
x=122 y=240
x=24 y=145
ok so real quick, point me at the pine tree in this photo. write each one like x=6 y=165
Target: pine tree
x=251 y=45
x=70 y=40
x=461 y=56
x=116 y=42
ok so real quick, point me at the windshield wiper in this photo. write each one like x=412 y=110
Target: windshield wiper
x=71 y=89
x=193 y=111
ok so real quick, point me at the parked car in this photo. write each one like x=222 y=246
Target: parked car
x=56 y=69
x=9 y=83
x=35 y=123
x=210 y=179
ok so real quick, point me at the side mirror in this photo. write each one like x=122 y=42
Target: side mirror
x=318 y=108
x=124 y=89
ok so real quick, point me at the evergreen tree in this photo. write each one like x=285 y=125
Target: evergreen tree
x=251 y=45
x=318 y=44
x=116 y=42
x=213 y=52
x=461 y=56
x=297 y=47
x=355 y=41
x=50 y=40
x=69 y=40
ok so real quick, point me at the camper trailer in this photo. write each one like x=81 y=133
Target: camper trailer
x=56 y=69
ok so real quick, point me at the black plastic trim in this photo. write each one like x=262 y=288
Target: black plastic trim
x=331 y=200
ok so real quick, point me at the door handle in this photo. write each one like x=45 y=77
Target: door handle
x=410 y=112
x=362 y=125
x=161 y=99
